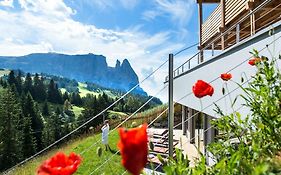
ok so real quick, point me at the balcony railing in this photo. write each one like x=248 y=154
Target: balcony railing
x=268 y=13
x=233 y=10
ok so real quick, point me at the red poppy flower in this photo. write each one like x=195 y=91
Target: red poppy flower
x=254 y=61
x=60 y=164
x=201 y=89
x=133 y=148
x=226 y=76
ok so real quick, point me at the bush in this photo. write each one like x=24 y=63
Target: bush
x=259 y=146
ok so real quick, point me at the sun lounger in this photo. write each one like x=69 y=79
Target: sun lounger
x=163 y=151
x=164 y=144
x=165 y=132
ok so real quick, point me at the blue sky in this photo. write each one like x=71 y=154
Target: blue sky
x=143 y=31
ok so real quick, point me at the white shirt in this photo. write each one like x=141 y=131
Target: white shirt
x=105 y=131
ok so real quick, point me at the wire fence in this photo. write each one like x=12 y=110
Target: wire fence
x=141 y=107
x=221 y=98
x=91 y=119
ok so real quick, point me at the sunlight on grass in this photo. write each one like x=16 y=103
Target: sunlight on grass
x=115 y=114
x=83 y=91
x=110 y=94
x=90 y=158
x=63 y=90
x=4 y=72
x=77 y=110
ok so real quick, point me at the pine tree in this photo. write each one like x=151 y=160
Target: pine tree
x=51 y=92
x=28 y=84
x=54 y=94
x=45 y=109
x=19 y=82
x=78 y=99
x=59 y=96
x=48 y=132
x=57 y=124
x=10 y=134
x=87 y=114
x=65 y=96
x=36 y=81
x=101 y=104
x=4 y=83
x=1 y=81
x=72 y=98
x=36 y=121
x=29 y=142
x=64 y=123
x=11 y=78
x=132 y=104
x=66 y=106
x=41 y=90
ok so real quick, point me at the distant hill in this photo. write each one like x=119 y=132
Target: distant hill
x=83 y=68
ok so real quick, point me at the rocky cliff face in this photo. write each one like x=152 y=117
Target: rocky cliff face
x=85 y=68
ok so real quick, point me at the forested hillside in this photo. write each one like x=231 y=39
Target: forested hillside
x=34 y=112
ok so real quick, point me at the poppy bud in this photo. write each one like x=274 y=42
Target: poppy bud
x=99 y=151
x=151 y=146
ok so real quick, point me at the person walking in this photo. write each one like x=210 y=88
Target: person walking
x=105 y=131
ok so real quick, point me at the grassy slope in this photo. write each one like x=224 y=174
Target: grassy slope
x=63 y=90
x=83 y=91
x=77 y=110
x=116 y=114
x=4 y=72
x=90 y=158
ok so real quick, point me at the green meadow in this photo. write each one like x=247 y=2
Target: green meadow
x=91 y=160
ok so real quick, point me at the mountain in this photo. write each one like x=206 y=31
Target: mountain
x=85 y=68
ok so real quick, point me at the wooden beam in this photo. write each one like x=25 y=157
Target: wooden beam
x=223 y=14
x=270 y=8
x=222 y=23
x=250 y=5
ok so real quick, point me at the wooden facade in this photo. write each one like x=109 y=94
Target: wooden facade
x=227 y=14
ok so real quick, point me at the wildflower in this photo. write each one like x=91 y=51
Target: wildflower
x=254 y=61
x=134 y=149
x=226 y=76
x=60 y=164
x=201 y=89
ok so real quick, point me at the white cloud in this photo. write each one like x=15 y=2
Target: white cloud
x=29 y=31
x=151 y=14
x=100 y=4
x=7 y=3
x=109 y=4
x=48 y=7
x=129 y=4
x=179 y=11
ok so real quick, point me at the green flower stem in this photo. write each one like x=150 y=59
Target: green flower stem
x=199 y=124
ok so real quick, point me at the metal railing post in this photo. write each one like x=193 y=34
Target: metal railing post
x=213 y=48
x=237 y=33
x=171 y=105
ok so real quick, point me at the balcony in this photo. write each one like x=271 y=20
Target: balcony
x=233 y=60
x=228 y=15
